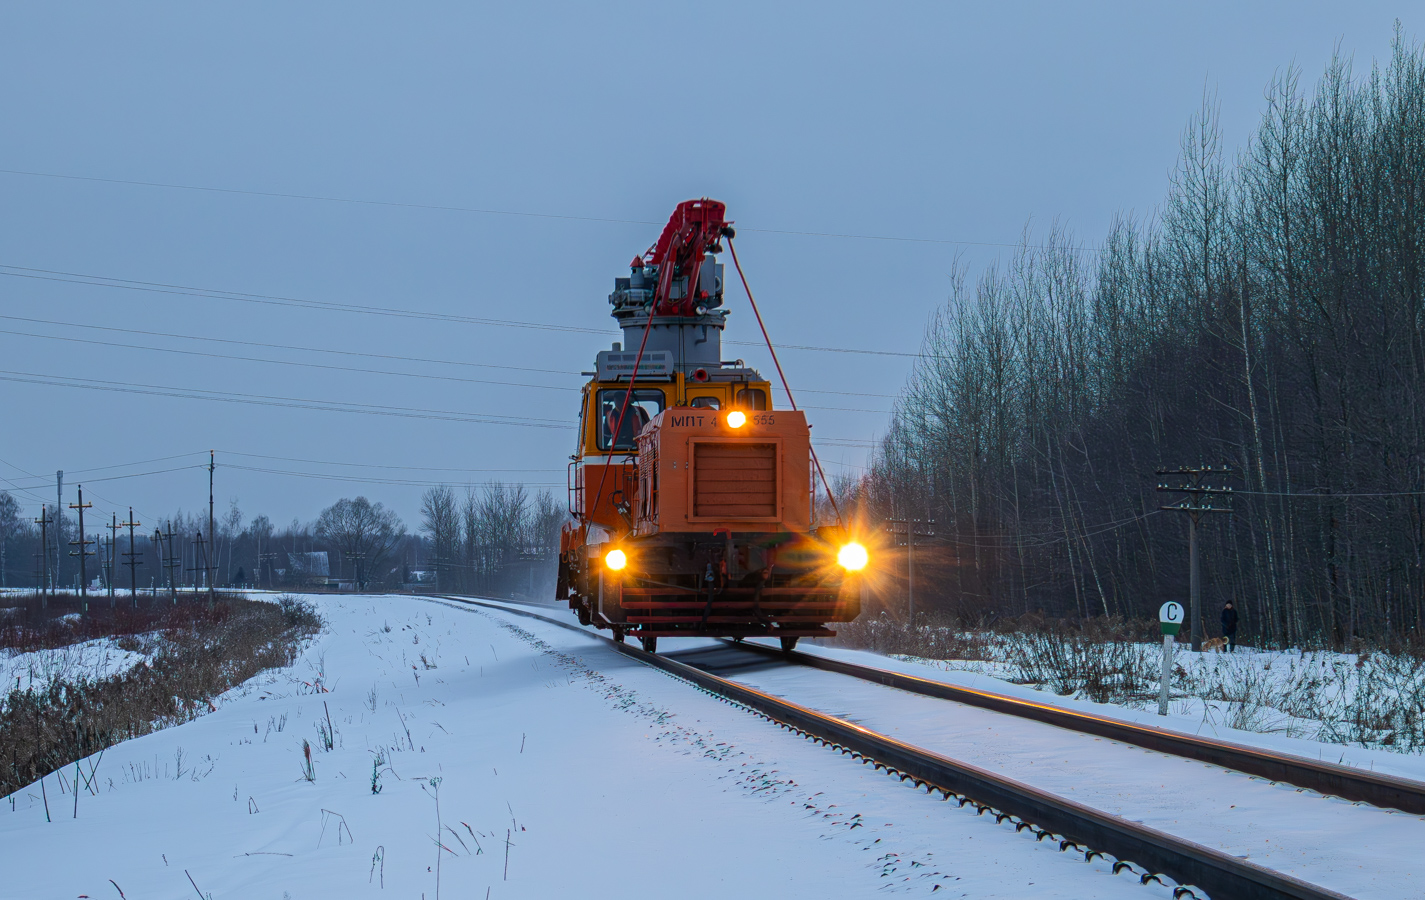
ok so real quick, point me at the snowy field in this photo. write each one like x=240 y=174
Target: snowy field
x=86 y=661
x=514 y=759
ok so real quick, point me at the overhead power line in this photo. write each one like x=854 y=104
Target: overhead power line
x=286 y=362
x=70 y=473
x=155 y=287
x=45 y=482
x=328 y=462
x=31 y=494
x=322 y=305
x=288 y=402
x=296 y=348
x=1315 y=494
x=158 y=287
x=89 y=481
x=366 y=479
x=506 y=212
x=308 y=365
x=319 y=462
x=355 y=353
x=322 y=199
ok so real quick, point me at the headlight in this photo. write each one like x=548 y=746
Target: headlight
x=617 y=559
x=852 y=557
x=736 y=419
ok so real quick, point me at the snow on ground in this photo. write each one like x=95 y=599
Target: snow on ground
x=543 y=762
x=85 y=661
x=1188 y=715
x=1348 y=699
x=1356 y=849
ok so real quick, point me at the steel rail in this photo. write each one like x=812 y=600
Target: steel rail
x=1385 y=791
x=1097 y=833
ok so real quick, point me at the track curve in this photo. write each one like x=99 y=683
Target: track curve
x=1385 y=791
x=1071 y=824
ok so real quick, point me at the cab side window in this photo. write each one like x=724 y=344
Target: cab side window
x=642 y=407
x=752 y=398
x=705 y=403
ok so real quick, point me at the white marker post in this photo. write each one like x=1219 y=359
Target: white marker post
x=1170 y=617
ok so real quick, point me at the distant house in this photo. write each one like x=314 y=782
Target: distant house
x=309 y=567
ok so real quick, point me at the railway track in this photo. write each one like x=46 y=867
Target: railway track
x=1385 y=791
x=1147 y=851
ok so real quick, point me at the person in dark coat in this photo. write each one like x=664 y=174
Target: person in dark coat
x=1229 y=626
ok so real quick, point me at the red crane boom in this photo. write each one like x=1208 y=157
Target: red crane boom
x=691 y=233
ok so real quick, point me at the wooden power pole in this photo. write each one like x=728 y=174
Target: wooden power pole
x=355 y=559
x=132 y=559
x=1197 y=502
x=58 y=521
x=83 y=552
x=212 y=533
x=912 y=529
x=42 y=573
x=113 y=527
x=201 y=548
x=172 y=562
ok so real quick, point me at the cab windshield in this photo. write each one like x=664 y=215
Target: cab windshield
x=642 y=407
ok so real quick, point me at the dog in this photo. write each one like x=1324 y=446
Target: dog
x=1217 y=643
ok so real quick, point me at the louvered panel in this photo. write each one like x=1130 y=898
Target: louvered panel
x=734 y=480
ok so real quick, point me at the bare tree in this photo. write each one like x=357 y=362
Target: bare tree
x=365 y=532
x=229 y=528
x=1274 y=318
x=440 y=522
x=9 y=525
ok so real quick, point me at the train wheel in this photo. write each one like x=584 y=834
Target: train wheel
x=582 y=612
x=789 y=644
x=618 y=634
x=650 y=643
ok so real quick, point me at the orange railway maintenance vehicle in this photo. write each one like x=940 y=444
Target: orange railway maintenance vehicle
x=693 y=499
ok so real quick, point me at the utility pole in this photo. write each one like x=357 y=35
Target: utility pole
x=104 y=559
x=913 y=528
x=42 y=573
x=355 y=559
x=114 y=527
x=83 y=552
x=212 y=532
x=1197 y=502
x=175 y=561
x=266 y=562
x=58 y=527
x=200 y=549
x=165 y=561
x=132 y=561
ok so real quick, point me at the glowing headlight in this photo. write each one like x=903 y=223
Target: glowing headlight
x=853 y=557
x=736 y=419
x=616 y=559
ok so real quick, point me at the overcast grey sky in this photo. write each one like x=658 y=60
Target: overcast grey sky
x=945 y=122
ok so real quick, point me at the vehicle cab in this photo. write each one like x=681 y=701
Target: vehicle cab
x=603 y=469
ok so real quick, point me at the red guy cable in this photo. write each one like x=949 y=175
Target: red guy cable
x=786 y=387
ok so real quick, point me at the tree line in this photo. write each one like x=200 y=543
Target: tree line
x=496 y=540
x=1271 y=316
x=505 y=543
